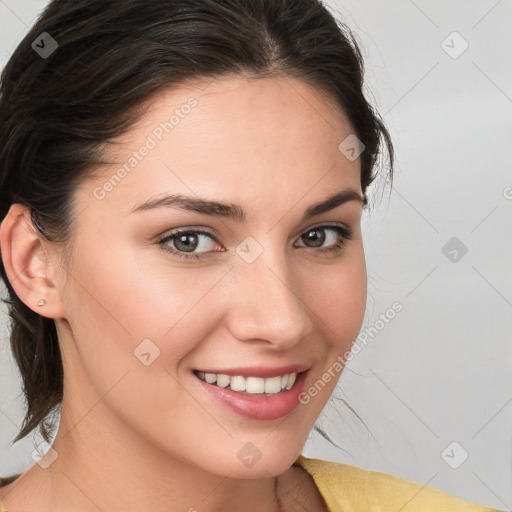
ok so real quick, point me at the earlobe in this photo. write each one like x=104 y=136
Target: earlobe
x=26 y=263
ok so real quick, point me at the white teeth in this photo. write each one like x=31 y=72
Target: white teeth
x=256 y=385
x=291 y=380
x=237 y=383
x=223 y=380
x=273 y=385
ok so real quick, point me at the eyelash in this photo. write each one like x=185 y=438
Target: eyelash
x=344 y=233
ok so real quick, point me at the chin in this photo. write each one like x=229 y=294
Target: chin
x=249 y=462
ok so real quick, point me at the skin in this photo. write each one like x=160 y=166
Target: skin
x=136 y=437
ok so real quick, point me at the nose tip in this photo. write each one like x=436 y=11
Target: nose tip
x=272 y=311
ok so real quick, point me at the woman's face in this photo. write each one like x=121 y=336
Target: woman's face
x=237 y=296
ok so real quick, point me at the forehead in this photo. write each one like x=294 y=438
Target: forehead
x=233 y=138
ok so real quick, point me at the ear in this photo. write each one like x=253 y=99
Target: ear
x=27 y=264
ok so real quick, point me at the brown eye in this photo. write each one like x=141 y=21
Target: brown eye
x=316 y=237
x=187 y=242
x=183 y=243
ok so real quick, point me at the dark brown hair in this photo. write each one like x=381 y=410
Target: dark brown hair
x=59 y=110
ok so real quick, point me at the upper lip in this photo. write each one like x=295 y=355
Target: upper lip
x=258 y=371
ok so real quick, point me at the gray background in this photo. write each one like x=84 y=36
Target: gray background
x=440 y=371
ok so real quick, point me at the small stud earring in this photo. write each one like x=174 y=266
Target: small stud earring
x=42 y=302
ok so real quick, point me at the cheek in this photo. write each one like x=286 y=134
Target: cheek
x=125 y=297
x=132 y=327
x=118 y=301
x=339 y=305
x=339 y=300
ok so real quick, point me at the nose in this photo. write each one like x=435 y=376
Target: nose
x=267 y=303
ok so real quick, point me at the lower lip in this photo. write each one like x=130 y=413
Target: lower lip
x=258 y=407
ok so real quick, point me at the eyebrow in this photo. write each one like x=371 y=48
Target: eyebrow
x=236 y=212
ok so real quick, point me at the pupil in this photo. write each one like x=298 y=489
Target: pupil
x=314 y=237
x=187 y=246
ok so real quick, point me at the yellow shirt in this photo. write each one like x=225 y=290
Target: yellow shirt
x=350 y=489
